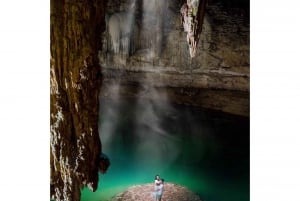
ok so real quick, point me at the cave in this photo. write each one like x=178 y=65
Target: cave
x=139 y=88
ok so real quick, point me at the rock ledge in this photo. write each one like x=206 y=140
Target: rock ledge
x=173 y=192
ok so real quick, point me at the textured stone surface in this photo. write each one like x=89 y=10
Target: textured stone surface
x=192 y=16
x=75 y=149
x=221 y=61
x=172 y=192
x=223 y=45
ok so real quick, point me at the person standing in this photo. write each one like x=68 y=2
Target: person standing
x=160 y=190
x=157 y=180
x=157 y=188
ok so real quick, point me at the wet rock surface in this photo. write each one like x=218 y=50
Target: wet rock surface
x=172 y=192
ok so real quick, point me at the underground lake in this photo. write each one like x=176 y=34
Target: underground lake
x=204 y=150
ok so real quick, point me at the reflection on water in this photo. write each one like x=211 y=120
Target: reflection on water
x=203 y=150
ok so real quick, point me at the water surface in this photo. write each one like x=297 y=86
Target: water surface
x=204 y=150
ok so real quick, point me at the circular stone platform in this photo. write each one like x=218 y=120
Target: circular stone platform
x=172 y=192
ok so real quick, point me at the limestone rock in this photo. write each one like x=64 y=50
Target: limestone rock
x=160 y=55
x=192 y=13
x=75 y=147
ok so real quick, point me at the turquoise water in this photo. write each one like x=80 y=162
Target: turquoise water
x=203 y=150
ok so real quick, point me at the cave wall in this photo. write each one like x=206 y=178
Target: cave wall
x=158 y=54
x=223 y=45
x=75 y=78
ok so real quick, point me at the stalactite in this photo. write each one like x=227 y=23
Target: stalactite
x=192 y=14
x=75 y=147
x=121 y=28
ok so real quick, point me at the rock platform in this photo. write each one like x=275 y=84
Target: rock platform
x=172 y=192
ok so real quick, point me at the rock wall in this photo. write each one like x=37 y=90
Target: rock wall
x=224 y=42
x=75 y=149
x=160 y=55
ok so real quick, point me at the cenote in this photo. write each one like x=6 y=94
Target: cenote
x=174 y=80
x=204 y=150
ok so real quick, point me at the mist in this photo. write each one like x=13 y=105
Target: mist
x=136 y=128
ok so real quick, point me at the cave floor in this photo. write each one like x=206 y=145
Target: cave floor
x=172 y=192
